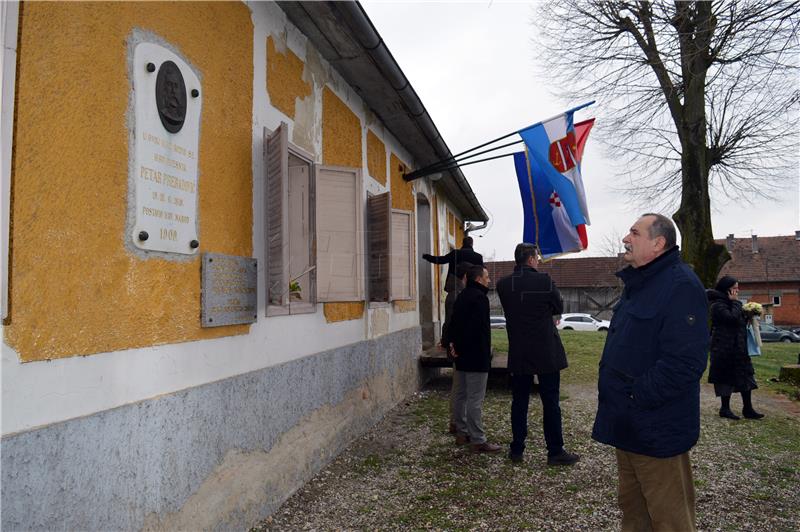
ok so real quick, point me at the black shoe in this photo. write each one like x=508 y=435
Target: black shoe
x=726 y=412
x=563 y=458
x=751 y=414
x=516 y=458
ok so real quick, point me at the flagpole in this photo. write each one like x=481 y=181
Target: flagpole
x=450 y=163
x=452 y=166
x=436 y=167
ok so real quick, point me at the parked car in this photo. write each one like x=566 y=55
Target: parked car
x=497 y=322
x=770 y=333
x=582 y=322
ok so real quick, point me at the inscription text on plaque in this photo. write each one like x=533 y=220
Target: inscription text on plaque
x=228 y=290
x=165 y=164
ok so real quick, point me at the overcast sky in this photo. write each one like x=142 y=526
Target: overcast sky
x=472 y=65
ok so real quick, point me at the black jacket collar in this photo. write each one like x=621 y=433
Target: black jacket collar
x=523 y=267
x=479 y=286
x=663 y=261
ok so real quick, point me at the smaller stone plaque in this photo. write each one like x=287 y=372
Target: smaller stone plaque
x=229 y=285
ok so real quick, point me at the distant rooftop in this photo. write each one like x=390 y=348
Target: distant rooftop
x=568 y=273
x=777 y=258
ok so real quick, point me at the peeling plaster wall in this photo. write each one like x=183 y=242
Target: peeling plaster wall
x=218 y=456
x=70 y=176
x=164 y=417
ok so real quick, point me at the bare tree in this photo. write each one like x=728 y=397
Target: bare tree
x=611 y=245
x=695 y=95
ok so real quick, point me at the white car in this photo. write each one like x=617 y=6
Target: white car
x=582 y=322
x=497 y=322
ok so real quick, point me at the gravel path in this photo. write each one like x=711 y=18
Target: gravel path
x=406 y=473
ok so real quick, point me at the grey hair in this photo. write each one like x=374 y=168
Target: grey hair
x=662 y=226
x=524 y=251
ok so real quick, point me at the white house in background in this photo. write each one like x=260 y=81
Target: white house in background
x=274 y=143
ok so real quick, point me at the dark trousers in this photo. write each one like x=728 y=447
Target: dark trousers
x=549 y=385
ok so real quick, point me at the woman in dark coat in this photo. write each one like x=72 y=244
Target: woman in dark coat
x=731 y=369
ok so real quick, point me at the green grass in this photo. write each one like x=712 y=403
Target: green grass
x=768 y=366
x=584 y=349
x=583 y=353
x=432 y=484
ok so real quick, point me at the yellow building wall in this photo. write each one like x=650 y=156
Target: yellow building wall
x=341 y=132
x=402 y=190
x=349 y=310
x=403 y=198
x=285 y=78
x=459 y=231
x=76 y=289
x=341 y=146
x=376 y=158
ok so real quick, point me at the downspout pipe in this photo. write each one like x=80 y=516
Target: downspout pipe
x=471 y=227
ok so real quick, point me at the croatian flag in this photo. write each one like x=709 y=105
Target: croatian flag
x=553 y=196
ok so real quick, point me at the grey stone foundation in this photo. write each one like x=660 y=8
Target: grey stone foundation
x=218 y=456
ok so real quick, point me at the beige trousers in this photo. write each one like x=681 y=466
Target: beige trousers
x=655 y=494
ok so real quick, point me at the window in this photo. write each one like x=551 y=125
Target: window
x=340 y=257
x=573 y=318
x=290 y=270
x=401 y=263
x=379 y=223
x=776 y=301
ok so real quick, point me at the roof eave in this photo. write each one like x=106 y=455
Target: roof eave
x=347 y=39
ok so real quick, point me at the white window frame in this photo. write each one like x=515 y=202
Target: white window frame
x=776 y=300
x=9 y=24
x=290 y=307
x=393 y=296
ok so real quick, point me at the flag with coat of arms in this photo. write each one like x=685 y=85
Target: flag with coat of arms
x=551 y=187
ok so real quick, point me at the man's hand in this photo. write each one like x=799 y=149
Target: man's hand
x=451 y=350
x=427 y=256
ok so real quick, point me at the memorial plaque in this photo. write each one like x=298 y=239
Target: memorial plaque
x=167 y=104
x=229 y=286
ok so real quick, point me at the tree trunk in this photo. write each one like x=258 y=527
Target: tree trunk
x=696 y=22
x=693 y=218
x=694 y=214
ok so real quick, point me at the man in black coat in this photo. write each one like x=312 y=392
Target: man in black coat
x=530 y=299
x=449 y=303
x=469 y=338
x=465 y=254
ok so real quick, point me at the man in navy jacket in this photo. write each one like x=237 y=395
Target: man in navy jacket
x=649 y=384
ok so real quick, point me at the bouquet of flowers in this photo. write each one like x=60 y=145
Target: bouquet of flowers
x=753 y=310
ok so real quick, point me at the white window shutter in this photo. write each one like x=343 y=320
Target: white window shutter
x=401 y=267
x=276 y=162
x=340 y=256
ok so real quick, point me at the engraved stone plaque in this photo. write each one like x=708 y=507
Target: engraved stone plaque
x=167 y=104
x=229 y=286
